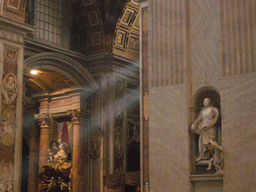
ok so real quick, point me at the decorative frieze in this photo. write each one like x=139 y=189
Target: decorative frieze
x=11 y=36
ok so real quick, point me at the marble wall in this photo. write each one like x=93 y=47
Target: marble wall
x=168 y=124
x=209 y=186
x=168 y=139
x=205 y=48
x=239 y=134
x=194 y=44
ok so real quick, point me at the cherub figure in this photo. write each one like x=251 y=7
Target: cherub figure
x=62 y=184
x=52 y=184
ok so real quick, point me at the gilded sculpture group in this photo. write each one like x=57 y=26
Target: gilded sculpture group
x=205 y=127
x=55 y=173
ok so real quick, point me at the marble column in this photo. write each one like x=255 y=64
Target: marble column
x=44 y=137
x=33 y=160
x=78 y=156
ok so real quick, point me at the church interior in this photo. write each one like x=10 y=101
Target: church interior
x=127 y=95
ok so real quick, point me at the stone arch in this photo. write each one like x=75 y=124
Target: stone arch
x=63 y=64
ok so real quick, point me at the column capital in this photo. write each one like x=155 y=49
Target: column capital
x=44 y=120
x=78 y=115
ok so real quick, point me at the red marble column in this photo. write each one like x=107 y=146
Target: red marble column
x=33 y=160
x=44 y=137
x=78 y=156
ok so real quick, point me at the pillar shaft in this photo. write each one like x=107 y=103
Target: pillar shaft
x=44 y=145
x=78 y=172
x=78 y=156
x=44 y=137
x=33 y=163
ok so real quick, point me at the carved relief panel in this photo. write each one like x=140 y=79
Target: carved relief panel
x=119 y=107
x=95 y=142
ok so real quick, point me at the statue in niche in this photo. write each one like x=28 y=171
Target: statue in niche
x=205 y=127
x=55 y=173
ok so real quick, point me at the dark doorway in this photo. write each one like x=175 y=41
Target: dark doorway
x=133 y=157
x=129 y=188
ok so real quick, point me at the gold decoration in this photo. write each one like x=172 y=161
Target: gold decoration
x=146 y=106
x=7 y=139
x=127 y=16
x=145 y=21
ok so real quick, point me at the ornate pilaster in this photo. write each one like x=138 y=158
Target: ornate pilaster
x=78 y=156
x=11 y=91
x=144 y=81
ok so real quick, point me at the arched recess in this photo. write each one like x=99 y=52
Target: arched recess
x=65 y=85
x=198 y=104
x=56 y=67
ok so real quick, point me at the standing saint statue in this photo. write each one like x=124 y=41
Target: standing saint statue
x=205 y=127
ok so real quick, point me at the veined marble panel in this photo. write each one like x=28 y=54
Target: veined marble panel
x=168 y=139
x=238 y=106
x=205 y=30
x=238 y=36
x=168 y=51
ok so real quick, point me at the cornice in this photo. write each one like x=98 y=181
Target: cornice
x=15 y=26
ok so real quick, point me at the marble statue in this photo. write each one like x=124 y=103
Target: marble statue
x=55 y=173
x=205 y=127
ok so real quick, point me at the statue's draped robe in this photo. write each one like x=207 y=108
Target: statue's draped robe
x=204 y=126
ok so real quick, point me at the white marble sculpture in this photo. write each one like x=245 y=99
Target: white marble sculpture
x=205 y=127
